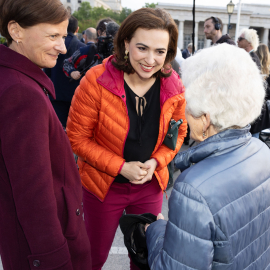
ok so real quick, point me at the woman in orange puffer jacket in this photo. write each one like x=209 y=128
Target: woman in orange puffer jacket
x=118 y=119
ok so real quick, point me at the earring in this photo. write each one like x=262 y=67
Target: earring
x=126 y=55
x=17 y=42
x=204 y=135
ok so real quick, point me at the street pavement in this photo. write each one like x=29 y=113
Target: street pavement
x=118 y=258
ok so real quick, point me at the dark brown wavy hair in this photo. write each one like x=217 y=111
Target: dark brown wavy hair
x=145 y=18
x=28 y=13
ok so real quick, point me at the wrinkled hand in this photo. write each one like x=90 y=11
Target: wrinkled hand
x=159 y=216
x=134 y=170
x=152 y=163
x=75 y=75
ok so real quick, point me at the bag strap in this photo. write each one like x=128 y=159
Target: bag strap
x=177 y=124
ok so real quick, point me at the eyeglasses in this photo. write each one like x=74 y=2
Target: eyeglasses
x=240 y=38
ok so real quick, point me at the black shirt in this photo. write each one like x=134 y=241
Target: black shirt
x=144 y=113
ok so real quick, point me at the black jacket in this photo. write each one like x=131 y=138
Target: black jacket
x=267 y=88
x=64 y=89
x=263 y=121
x=256 y=59
x=185 y=54
x=225 y=39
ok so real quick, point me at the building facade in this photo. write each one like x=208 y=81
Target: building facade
x=252 y=16
x=73 y=5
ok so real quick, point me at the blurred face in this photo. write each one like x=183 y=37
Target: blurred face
x=43 y=43
x=242 y=42
x=209 y=29
x=147 y=51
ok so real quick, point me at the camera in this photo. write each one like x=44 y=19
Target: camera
x=105 y=44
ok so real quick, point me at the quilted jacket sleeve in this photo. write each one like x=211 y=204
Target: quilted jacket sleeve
x=81 y=124
x=165 y=155
x=185 y=241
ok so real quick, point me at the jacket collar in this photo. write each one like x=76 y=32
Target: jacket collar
x=16 y=61
x=223 y=39
x=113 y=80
x=215 y=145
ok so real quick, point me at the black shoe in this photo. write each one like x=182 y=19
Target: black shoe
x=170 y=184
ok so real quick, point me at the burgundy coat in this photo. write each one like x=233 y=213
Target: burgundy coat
x=41 y=224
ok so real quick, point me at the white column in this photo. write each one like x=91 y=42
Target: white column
x=181 y=35
x=265 y=36
x=225 y=29
x=196 y=35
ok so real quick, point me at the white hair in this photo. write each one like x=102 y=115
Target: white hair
x=223 y=81
x=251 y=36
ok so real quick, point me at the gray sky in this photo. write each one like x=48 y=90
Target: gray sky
x=136 y=4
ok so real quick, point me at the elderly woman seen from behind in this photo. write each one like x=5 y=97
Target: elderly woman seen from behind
x=41 y=224
x=219 y=207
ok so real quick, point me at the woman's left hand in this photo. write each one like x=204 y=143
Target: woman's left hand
x=153 y=164
x=159 y=216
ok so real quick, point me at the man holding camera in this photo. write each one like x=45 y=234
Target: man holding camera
x=76 y=62
x=83 y=59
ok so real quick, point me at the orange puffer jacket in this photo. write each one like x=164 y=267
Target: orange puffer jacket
x=98 y=125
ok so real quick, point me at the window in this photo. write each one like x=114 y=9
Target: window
x=79 y=1
x=200 y=43
x=187 y=40
x=68 y=1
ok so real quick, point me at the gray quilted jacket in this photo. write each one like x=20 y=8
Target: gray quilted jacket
x=219 y=209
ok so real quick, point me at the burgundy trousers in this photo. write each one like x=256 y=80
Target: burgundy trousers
x=102 y=218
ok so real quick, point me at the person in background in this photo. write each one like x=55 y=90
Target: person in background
x=264 y=56
x=119 y=117
x=90 y=36
x=64 y=88
x=41 y=218
x=179 y=58
x=83 y=57
x=171 y=168
x=188 y=51
x=263 y=121
x=213 y=30
x=219 y=207
x=249 y=41
x=83 y=37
